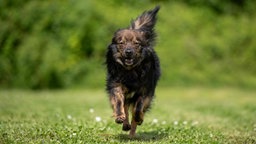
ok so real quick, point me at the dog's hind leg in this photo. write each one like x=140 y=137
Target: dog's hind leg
x=133 y=128
x=137 y=115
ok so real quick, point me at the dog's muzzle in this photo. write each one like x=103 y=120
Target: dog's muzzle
x=129 y=54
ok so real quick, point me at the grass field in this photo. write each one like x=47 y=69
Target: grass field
x=179 y=115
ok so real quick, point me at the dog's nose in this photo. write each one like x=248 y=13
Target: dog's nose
x=128 y=51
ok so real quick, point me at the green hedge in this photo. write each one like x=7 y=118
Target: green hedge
x=60 y=44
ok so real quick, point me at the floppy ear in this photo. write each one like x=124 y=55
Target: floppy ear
x=146 y=21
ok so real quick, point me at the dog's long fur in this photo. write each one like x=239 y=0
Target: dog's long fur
x=133 y=70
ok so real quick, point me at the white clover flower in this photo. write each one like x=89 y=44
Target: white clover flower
x=163 y=122
x=194 y=123
x=185 y=122
x=69 y=117
x=74 y=134
x=98 y=119
x=175 y=122
x=211 y=135
x=155 y=121
x=91 y=110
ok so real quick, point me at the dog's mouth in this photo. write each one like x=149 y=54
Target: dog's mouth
x=128 y=61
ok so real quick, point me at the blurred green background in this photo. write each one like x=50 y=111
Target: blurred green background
x=62 y=43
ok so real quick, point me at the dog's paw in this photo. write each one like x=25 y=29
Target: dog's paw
x=120 y=119
x=138 y=117
x=139 y=122
x=126 y=127
x=132 y=134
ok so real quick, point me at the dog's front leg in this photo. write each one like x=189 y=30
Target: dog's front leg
x=138 y=113
x=117 y=101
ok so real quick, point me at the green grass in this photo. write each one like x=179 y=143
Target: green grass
x=179 y=115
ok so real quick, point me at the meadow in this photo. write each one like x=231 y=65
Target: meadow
x=179 y=115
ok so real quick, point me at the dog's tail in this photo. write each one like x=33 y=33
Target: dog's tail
x=146 y=21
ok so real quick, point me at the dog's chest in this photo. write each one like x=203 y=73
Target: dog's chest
x=133 y=79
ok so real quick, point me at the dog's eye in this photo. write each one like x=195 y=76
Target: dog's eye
x=137 y=43
x=121 y=42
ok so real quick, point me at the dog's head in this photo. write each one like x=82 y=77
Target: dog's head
x=130 y=46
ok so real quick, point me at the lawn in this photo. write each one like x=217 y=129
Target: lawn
x=179 y=115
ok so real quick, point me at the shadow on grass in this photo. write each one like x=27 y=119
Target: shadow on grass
x=142 y=136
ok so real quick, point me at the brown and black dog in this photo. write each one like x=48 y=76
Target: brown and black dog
x=133 y=70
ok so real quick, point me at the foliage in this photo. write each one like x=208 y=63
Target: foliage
x=179 y=115
x=225 y=6
x=56 y=44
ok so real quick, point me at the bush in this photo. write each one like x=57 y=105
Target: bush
x=46 y=44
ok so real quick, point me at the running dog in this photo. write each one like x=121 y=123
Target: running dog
x=133 y=70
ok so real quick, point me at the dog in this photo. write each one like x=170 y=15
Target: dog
x=133 y=69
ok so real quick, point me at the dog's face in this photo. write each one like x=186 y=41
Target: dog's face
x=132 y=45
x=129 y=47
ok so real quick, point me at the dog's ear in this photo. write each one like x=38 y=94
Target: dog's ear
x=146 y=21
